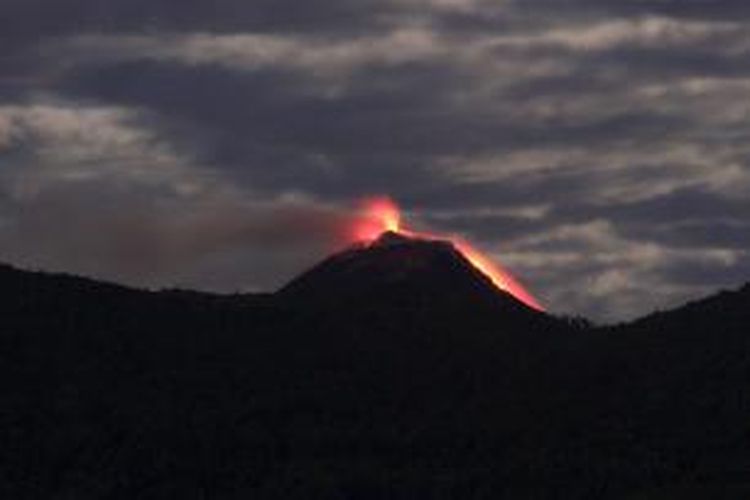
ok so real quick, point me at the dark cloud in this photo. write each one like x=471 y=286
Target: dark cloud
x=598 y=148
x=706 y=274
x=370 y=138
x=692 y=9
x=692 y=204
x=27 y=20
x=152 y=239
x=729 y=233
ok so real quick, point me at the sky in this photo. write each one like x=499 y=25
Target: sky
x=597 y=148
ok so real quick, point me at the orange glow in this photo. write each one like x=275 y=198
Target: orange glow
x=381 y=214
x=378 y=215
x=499 y=276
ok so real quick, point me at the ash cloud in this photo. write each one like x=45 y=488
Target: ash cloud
x=99 y=195
x=208 y=244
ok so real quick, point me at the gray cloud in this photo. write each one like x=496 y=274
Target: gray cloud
x=688 y=9
x=100 y=194
x=598 y=148
x=211 y=243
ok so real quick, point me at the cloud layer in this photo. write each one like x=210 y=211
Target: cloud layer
x=598 y=149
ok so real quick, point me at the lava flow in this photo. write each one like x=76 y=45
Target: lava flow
x=382 y=214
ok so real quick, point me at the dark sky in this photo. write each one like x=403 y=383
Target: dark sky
x=598 y=148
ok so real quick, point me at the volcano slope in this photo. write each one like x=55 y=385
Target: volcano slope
x=393 y=370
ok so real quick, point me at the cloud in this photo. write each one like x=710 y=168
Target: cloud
x=67 y=143
x=101 y=195
x=682 y=9
x=214 y=243
x=597 y=267
x=316 y=56
x=7 y=133
x=597 y=148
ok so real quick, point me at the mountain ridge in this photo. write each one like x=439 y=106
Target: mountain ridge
x=10 y=270
x=407 y=270
x=107 y=391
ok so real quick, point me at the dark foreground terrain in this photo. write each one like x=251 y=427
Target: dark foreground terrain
x=395 y=371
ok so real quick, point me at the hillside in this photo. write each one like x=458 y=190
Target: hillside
x=436 y=393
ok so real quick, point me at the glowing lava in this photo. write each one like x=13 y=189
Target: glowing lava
x=499 y=276
x=381 y=214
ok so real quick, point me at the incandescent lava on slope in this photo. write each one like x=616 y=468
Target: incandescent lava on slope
x=382 y=216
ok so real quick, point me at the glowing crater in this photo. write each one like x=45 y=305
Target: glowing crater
x=381 y=214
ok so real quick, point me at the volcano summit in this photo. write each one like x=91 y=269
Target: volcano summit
x=382 y=223
x=394 y=369
x=401 y=268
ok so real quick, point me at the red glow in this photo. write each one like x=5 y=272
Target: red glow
x=381 y=214
x=499 y=276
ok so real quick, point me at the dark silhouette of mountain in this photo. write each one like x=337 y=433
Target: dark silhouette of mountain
x=425 y=279
x=394 y=370
x=397 y=268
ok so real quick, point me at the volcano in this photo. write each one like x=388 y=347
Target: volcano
x=381 y=216
x=394 y=369
x=402 y=269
